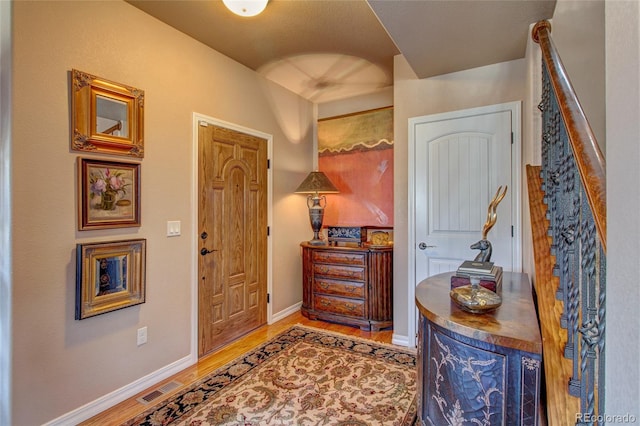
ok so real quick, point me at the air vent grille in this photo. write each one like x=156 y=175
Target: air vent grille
x=156 y=393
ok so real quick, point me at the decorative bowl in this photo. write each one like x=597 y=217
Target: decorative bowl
x=475 y=299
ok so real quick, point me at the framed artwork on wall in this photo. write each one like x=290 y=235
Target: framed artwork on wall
x=109 y=276
x=107 y=117
x=356 y=152
x=108 y=194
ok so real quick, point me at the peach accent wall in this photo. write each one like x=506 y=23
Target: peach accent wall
x=60 y=364
x=365 y=182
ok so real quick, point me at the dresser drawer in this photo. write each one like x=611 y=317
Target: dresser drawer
x=337 y=305
x=346 y=258
x=338 y=271
x=340 y=288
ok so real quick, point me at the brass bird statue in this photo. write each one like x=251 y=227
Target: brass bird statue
x=484 y=245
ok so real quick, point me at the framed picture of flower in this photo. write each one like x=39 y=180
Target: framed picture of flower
x=109 y=276
x=108 y=194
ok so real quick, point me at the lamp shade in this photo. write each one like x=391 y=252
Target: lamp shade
x=246 y=7
x=317 y=182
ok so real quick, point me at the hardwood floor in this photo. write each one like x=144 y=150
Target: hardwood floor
x=131 y=407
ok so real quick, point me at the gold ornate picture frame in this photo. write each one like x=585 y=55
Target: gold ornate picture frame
x=109 y=276
x=107 y=117
x=108 y=194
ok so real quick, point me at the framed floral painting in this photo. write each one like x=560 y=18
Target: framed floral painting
x=108 y=194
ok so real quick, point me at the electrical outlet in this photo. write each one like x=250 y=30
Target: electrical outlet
x=142 y=336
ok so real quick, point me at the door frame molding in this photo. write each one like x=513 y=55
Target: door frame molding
x=197 y=118
x=515 y=108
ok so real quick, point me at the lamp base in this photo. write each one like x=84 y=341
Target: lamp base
x=316 y=214
x=316 y=242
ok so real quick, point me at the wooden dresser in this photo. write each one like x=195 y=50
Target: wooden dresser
x=478 y=368
x=349 y=285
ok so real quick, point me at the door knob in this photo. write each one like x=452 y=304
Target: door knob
x=424 y=246
x=205 y=252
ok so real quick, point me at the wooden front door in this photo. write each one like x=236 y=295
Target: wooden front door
x=232 y=216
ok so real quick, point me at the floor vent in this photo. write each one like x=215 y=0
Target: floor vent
x=156 y=393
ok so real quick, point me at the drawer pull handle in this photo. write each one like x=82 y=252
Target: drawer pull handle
x=347 y=288
x=349 y=306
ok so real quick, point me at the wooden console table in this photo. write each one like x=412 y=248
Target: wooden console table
x=349 y=285
x=483 y=368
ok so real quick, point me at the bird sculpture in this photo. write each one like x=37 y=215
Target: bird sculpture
x=484 y=245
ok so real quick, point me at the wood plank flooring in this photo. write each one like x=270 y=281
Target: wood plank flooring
x=131 y=407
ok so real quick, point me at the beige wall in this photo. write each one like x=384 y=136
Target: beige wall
x=413 y=97
x=379 y=99
x=5 y=212
x=60 y=364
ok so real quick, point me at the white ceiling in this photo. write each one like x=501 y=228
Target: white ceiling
x=332 y=49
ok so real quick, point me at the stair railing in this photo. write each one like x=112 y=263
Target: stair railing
x=573 y=181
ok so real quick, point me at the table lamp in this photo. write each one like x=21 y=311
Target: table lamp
x=314 y=184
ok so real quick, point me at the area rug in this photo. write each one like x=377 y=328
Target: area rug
x=301 y=377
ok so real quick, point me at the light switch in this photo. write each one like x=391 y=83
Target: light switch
x=173 y=228
x=142 y=336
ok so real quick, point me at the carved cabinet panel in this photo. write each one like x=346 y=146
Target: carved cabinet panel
x=482 y=369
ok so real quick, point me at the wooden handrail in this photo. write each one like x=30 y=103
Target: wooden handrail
x=573 y=183
x=110 y=130
x=587 y=153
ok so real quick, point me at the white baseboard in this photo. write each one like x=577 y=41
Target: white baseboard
x=400 y=340
x=109 y=400
x=285 y=312
x=396 y=339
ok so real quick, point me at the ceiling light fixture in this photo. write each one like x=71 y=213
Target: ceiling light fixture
x=246 y=7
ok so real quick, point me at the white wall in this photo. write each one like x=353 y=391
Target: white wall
x=622 y=381
x=60 y=364
x=489 y=85
x=577 y=30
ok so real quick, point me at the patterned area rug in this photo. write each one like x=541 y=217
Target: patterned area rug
x=301 y=377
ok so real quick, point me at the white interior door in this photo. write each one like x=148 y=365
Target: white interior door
x=460 y=159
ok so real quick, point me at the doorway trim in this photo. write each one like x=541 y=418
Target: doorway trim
x=516 y=173
x=197 y=118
